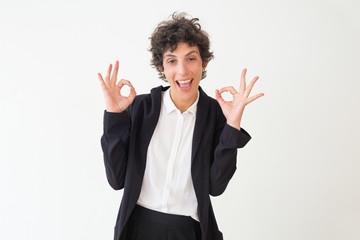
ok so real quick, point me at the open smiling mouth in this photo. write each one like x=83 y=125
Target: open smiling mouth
x=184 y=84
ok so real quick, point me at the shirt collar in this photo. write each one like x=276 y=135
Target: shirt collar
x=170 y=106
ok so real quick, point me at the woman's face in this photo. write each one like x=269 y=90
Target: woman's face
x=183 y=70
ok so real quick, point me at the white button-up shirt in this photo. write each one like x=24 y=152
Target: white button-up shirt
x=167 y=184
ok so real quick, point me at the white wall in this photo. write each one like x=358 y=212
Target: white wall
x=298 y=178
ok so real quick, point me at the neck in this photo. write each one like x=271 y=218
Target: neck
x=181 y=104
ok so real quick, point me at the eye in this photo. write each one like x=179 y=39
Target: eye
x=190 y=59
x=171 y=61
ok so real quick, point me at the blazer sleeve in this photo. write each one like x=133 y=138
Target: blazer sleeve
x=227 y=140
x=114 y=143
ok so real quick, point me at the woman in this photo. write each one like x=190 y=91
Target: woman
x=170 y=149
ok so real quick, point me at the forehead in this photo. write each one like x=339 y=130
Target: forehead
x=182 y=49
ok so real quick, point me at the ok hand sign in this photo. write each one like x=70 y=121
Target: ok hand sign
x=234 y=109
x=114 y=101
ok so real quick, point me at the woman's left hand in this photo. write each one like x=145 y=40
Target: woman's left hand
x=234 y=109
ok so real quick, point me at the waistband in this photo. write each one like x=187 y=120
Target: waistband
x=164 y=218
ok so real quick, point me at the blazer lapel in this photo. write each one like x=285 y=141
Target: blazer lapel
x=201 y=116
x=150 y=119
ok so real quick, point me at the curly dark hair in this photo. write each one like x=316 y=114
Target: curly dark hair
x=179 y=29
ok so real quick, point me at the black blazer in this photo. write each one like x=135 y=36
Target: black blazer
x=126 y=139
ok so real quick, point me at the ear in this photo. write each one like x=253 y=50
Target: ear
x=160 y=68
x=205 y=65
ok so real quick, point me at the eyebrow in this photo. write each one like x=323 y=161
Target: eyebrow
x=189 y=53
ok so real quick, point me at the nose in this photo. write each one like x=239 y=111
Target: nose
x=182 y=68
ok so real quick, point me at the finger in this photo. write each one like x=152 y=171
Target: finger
x=102 y=83
x=100 y=77
x=219 y=98
x=251 y=85
x=228 y=89
x=242 y=81
x=115 y=73
x=107 y=76
x=253 y=98
x=123 y=82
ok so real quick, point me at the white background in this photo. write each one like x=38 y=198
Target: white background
x=298 y=178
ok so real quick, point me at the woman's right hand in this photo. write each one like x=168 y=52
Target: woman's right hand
x=114 y=101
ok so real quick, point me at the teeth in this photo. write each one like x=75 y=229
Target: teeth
x=186 y=81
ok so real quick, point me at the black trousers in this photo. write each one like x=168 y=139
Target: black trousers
x=146 y=224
